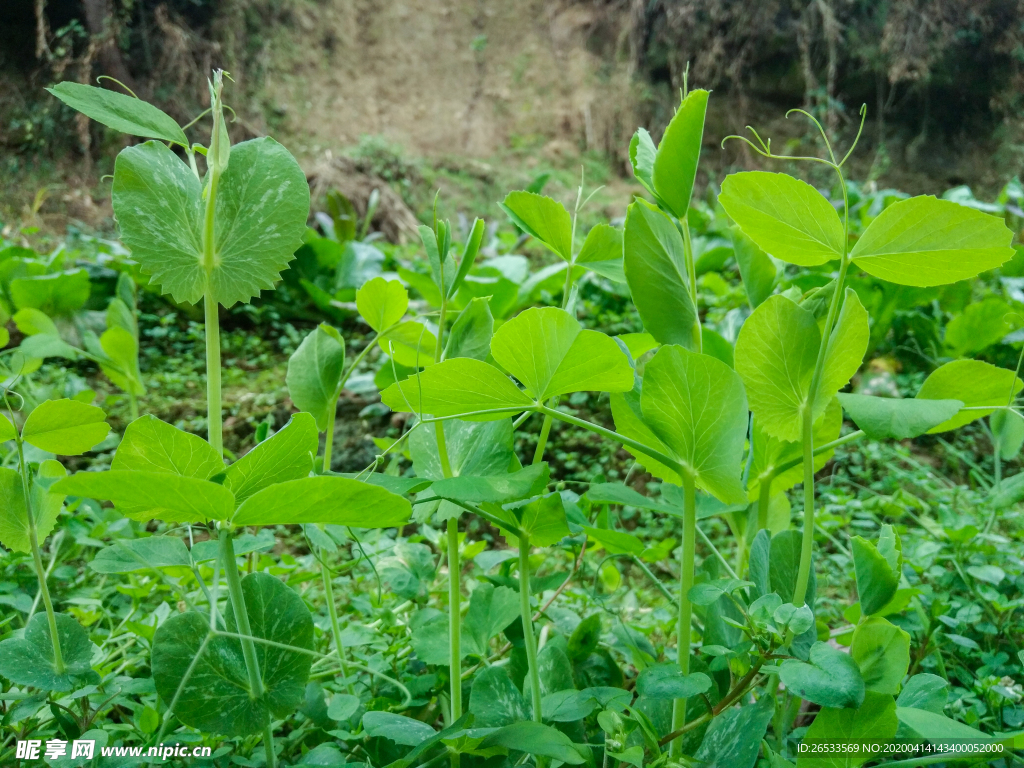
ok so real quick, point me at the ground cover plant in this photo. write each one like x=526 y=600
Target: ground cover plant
x=472 y=594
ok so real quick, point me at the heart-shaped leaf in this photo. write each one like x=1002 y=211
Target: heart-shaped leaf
x=382 y=303
x=65 y=427
x=975 y=383
x=785 y=217
x=286 y=455
x=457 y=386
x=542 y=218
x=260 y=215
x=29 y=660
x=695 y=404
x=324 y=499
x=547 y=350
x=314 y=373
x=655 y=270
x=924 y=241
x=121 y=112
x=145 y=495
x=210 y=670
x=831 y=679
x=151 y=445
x=46 y=505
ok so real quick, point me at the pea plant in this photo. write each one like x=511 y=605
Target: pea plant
x=728 y=428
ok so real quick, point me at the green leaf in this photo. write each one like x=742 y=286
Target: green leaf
x=542 y=520
x=882 y=650
x=216 y=697
x=1007 y=432
x=161 y=495
x=831 y=679
x=695 y=404
x=734 y=738
x=491 y=609
x=60 y=293
x=32 y=322
x=924 y=691
x=785 y=217
x=497 y=489
x=547 y=350
x=343 y=706
x=287 y=455
x=476 y=449
x=46 y=505
x=65 y=427
x=675 y=165
x=923 y=241
x=536 y=739
x=585 y=638
x=666 y=681
x=399 y=728
x=494 y=701
x=411 y=344
x=874 y=720
x=783 y=564
x=469 y=253
x=44 y=345
x=655 y=271
x=934 y=726
x=974 y=383
x=121 y=112
x=884 y=418
x=122 y=349
x=616 y=542
x=776 y=352
x=471 y=332
x=542 y=218
x=151 y=445
x=642 y=154
x=877 y=579
x=602 y=252
x=980 y=325
x=629 y=421
x=7 y=430
x=260 y=217
x=29 y=660
x=457 y=386
x=324 y=499
x=130 y=555
x=382 y=303
x=314 y=373
x=757 y=270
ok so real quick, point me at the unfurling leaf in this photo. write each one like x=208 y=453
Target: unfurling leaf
x=675 y=164
x=314 y=373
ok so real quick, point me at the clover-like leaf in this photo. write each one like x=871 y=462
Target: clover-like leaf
x=973 y=382
x=785 y=217
x=655 y=271
x=924 y=241
x=547 y=350
x=259 y=218
x=543 y=218
x=65 y=427
x=324 y=499
x=696 y=405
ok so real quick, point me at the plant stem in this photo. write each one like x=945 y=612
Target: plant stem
x=691 y=276
x=210 y=303
x=454 y=617
x=133 y=406
x=37 y=560
x=527 y=618
x=256 y=691
x=807 y=546
x=332 y=414
x=763 y=499
x=332 y=611
x=685 y=607
x=542 y=439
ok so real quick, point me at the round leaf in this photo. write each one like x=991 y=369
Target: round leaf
x=831 y=679
x=65 y=427
x=152 y=445
x=29 y=660
x=382 y=303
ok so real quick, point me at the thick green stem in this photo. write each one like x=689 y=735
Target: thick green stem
x=763 y=499
x=332 y=414
x=542 y=439
x=37 y=561
x=685 y=607
x=256 y=690
x=526 y=615
x=807 y=546
x=455 y=617
x=332 y=611
x=216 y=163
